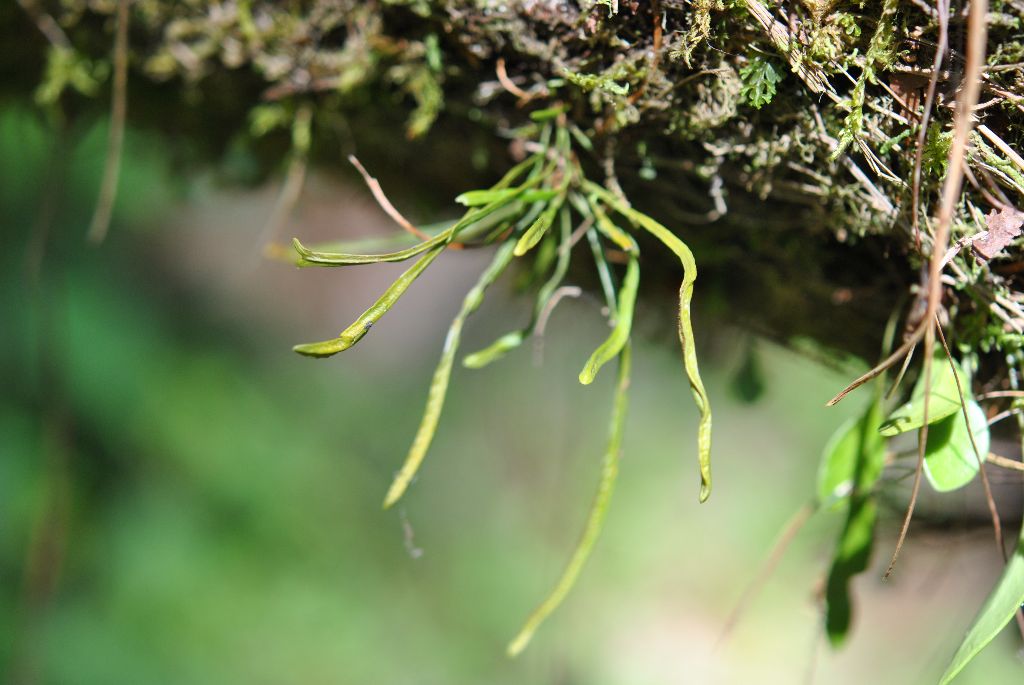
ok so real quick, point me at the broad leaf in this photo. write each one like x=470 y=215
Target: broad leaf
x=943 y=400
x=997 y=611
x=949 y=459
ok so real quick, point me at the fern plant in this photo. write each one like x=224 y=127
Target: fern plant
x=546 y=200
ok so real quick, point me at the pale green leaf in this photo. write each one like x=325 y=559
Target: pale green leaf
x=442 y=374
x=949 y=459
x=944 y=400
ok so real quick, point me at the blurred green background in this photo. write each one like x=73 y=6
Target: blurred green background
x=184 y=500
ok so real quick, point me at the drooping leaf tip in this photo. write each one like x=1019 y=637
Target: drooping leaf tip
x=326 y=348
x=517 y=645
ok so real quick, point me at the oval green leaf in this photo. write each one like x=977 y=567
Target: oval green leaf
x=944 y=399
x=949 y=458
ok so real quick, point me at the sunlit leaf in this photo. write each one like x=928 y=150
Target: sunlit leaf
x=439 y=383
x=943 y=401
x=949 y=459
x=997 y=611
x=510 y=341
x=361 y=326
x=689 y=264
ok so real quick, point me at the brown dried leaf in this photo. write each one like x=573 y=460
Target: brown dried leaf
x=1003 y=227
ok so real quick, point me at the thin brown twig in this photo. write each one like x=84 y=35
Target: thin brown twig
x=789 y=532
x=508 y=84
x=997 y=527
x=976 y=37
x=46 y=24
x=100 y=223
x=902 y=373
x=1004 y=462
x=378 y=194
x=1000 y=393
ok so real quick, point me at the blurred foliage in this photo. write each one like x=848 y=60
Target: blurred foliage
x=181 y=501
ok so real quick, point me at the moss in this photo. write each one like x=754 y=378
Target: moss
x=680 y=93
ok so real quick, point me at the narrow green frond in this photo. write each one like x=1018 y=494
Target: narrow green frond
x=700 y=396
x=514 y=339
x=439 y=384
x=595 y=519
x=355 y=332
x=614 y=343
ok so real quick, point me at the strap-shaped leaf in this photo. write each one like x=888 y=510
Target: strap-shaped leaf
x=361 y=326
x=615 y=341
x=998 y=610
x=510 y=341
x=439 y=384
x=943 y=400
x=595 y=519
x=309 y=256
x=625 y=303
x=539 y=227
x=700 y=396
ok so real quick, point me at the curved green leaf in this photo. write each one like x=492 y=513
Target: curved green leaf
x=361 y=326
x=949 y=458
x=998 y=610
x=510 y=341
x=309 y=256
x=539 y=227
x=623 y=323
x=700 y=395
x=944 y=399
x=439 y=383
x=595 y=519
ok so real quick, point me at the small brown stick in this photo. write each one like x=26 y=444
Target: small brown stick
x=1001 y=144
x=378 y=194
x=902 y=373
x=942 y=7
x=507 y=83
x=789 y=532
x=46 y=24
x=1000 y=393
x=922 y=441
x=900 y=352
x=1002 y=415
x=976 y=36
x=1003 y=462
x=115 y=137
